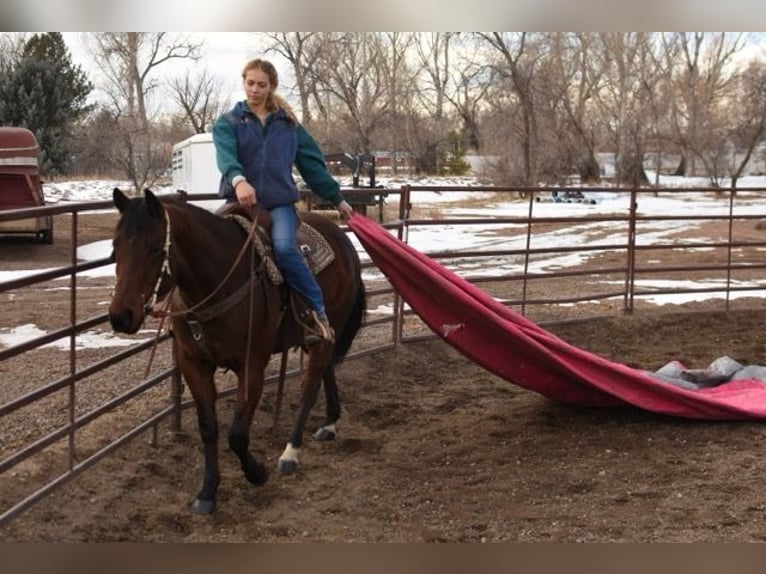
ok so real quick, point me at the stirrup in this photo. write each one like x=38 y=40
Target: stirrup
x=317 y=331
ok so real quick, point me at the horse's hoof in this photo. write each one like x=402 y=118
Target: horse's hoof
x=287 y=466
x=324 y=433
x=203 y=506
x=257 y=474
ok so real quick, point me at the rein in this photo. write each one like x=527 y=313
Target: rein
x=164 y=312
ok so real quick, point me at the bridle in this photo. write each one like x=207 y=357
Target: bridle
x=164 y=271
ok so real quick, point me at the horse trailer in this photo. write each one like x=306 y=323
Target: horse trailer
x=194 y=165
x=20 y=183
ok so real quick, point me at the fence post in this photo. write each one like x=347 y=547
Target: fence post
x=631 y=254
x=526 y=254
x=402 y=233
x=732 y=195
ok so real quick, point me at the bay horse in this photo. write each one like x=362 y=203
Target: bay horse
x=163 y=242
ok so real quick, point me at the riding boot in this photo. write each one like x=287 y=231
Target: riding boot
x=318 y=330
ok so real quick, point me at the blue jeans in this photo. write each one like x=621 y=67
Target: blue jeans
x=284 y=222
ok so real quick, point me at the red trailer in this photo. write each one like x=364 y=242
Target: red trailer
x=20 y=185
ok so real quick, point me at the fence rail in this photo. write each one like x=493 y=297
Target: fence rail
x=619 y=255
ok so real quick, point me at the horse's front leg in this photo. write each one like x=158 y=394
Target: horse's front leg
x=248 y=396
x=288 y=461
x=202 y=386
x=208 y=430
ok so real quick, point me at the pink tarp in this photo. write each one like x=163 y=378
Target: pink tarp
x=521 y=352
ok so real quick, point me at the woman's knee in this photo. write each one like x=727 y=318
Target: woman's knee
x=283 y=249
x=286 y=256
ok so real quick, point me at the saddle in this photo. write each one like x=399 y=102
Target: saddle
x=312 y=244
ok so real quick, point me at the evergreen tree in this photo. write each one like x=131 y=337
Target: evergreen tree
x=45 y=93
x=454 y=162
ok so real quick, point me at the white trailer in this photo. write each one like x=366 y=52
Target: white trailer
x=194 y=167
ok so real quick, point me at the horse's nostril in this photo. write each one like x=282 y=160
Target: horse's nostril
x=121 y=322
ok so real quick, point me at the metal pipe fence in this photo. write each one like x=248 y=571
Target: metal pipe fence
x=69 y=406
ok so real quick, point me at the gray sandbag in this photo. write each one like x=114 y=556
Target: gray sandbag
x=671 y=373
x=750 y=372
x=671 y=370
x=725 y=366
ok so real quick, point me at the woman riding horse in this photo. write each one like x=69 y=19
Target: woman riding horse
x=257 y=143
x=226 y=312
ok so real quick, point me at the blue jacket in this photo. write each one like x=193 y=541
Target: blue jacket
x=265 y=155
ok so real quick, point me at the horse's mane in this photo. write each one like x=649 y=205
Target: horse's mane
x=185 y=214
x=195 y=210
x=205 y=218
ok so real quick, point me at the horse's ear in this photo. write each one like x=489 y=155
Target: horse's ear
x=152 y=203
x=120 y=200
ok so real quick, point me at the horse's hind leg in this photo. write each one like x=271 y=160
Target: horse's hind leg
x=288 y=461
x=239 y=433
x=327 y=431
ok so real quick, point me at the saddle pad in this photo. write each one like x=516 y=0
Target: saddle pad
x=314 y=247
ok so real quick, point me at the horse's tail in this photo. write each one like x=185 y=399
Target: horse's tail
x=351 y=326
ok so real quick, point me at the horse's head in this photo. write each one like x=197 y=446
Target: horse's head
x=140 y=250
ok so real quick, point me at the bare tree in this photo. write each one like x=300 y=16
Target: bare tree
x=434 y=53
x=418 y=125
x=95 y=147
x=448 y=78
x=519 y=56
x=623 y=72
x=542 y=102
x=302 y=50
x=747 y=110
x=129 y=62
x=351 y=73
x=200 y=99
x=400 y=88
x=660 y=96
x=703 y=79
x=11 y=47
x=572 y=130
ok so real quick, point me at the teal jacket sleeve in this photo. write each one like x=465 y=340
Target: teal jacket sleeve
x=313 y=170
x=225 y=142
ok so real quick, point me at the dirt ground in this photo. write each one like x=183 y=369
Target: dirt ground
x=432 y=448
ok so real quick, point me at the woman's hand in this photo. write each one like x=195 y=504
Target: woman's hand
x=345 y=209
x=245 y=194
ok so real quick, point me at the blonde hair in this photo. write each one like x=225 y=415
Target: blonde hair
x=273 y=102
